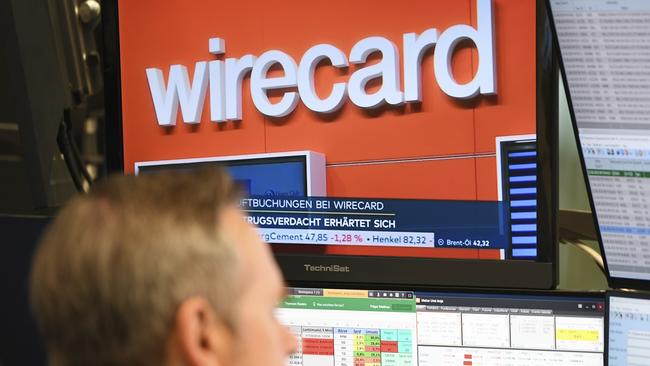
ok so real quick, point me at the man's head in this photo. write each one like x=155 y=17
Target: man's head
x=155 y=270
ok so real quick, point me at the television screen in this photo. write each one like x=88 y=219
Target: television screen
x=605 y=54
x=256 y=175
x=436 y=123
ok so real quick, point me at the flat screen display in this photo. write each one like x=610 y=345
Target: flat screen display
x=605 y=47
x=272 y=177
x=628 y=327
x=337 y=327
x=433 y=123
x=428 y=117
x=279 y=179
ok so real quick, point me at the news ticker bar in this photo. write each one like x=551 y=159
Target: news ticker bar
x=343 y=237
x=391 y=222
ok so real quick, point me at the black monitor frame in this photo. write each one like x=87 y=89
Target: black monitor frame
x=407 y=271
x=613 y=282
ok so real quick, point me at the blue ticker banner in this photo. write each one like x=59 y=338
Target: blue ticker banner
x=381 y=222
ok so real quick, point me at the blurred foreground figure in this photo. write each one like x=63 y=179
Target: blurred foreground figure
x=158 y=270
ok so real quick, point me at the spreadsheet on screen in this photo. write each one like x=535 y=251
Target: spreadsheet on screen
x=402 y=328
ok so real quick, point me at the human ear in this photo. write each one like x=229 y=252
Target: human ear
x=202 y=337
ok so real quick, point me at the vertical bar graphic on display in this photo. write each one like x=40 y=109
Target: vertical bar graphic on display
x=519 y=190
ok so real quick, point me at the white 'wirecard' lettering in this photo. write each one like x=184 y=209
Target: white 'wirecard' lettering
x=224 y=78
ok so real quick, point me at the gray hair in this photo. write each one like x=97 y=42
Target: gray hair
x=115 y=265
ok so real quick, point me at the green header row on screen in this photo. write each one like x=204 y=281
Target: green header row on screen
x=344 y=303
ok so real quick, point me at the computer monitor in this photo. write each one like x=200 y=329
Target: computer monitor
x=604 y=47
x=386 y=327
x=628 y=329
x=446 y=174
x=289 y=175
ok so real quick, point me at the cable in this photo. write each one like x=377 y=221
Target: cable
x=80 y=176
x=64 y=148
x=77 y=157
x=589 y=251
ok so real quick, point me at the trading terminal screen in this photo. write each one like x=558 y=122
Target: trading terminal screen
x=401 y=328
x=605 y=46
x=629 y=331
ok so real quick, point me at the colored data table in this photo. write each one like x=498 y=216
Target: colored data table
x=327 y=346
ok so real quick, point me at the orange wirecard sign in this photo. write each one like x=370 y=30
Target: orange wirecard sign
x=158 y=35
x=415 y=99
x=224 y=78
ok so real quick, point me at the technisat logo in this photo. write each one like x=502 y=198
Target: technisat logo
x=330 y=268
